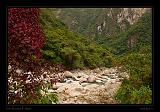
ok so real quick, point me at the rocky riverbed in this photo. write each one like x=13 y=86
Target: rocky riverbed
x=97 y=86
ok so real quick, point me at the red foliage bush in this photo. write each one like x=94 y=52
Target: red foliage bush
x=25 y=39
x=25 y=36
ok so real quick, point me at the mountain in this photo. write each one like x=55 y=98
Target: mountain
x=70 y=48
x=102 y=21
x=81 y=46
x=136 y=37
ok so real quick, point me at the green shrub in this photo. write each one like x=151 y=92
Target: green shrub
x=139 y=66
x=48 y=99
x=74 y=50
x=138 y=62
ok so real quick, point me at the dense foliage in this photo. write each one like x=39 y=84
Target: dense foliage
x=35 y=34
x=138 y=61
x=25 y=39
x=74 y=50
x=24 y=32
x=86 y=20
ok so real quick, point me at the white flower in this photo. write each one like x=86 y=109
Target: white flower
x=41 y=77
x=28 y=81
x=53 y=102
x=11 y=91
x=50 y=90
x=18 y=71
x=42 y=92
x=36 y=79
x=45 y=82
x=15 y=92
x=9 y=67
x=15 y=82
x=29 y=72
x=45 y=73
x=10 y=80
x=21 y=95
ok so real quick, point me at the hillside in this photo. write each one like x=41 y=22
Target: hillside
x=80 y=56
x=72 y=49
x=103 y=21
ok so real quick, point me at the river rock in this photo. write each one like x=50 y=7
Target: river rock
x=73 y=93
x=91 y=86
x=80 y=89
x=98 y=70
x=84 y=84
x=91 y=79
x=104 y=77
x=68 y=74
x=69 y=81
x=55 y=87
x=104 y=80
x=87 y=86
x=83 y=80
x=98 y=81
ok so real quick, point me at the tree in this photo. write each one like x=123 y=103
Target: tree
x=25 y=39
x=25 y=36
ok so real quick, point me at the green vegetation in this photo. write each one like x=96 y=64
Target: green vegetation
x=69 y=48
x=44 y=97
x=131 y=49
x=86 y=20
x=138 y=61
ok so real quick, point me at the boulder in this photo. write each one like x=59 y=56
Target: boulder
x=73 y=93
x=58 y=85
x=112 y=81
x=91 y=79
x=85 y=84
x=68 y=74
x=83 y=80
x=103 y=77
x=78 y=76
x=69 y=81
x=88 y=87
x=97 y=70
x=80 y=89
x=82 y=74
x=112 y=76
x=98 y=81
x=104 y=80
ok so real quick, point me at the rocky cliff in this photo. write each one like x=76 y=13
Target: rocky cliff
x=103 y=21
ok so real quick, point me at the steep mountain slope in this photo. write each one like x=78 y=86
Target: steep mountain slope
x=69 y=48
x=76 y=68
x=132 y=46
x=102 y=21
x=136 y=47
x=138 y=36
